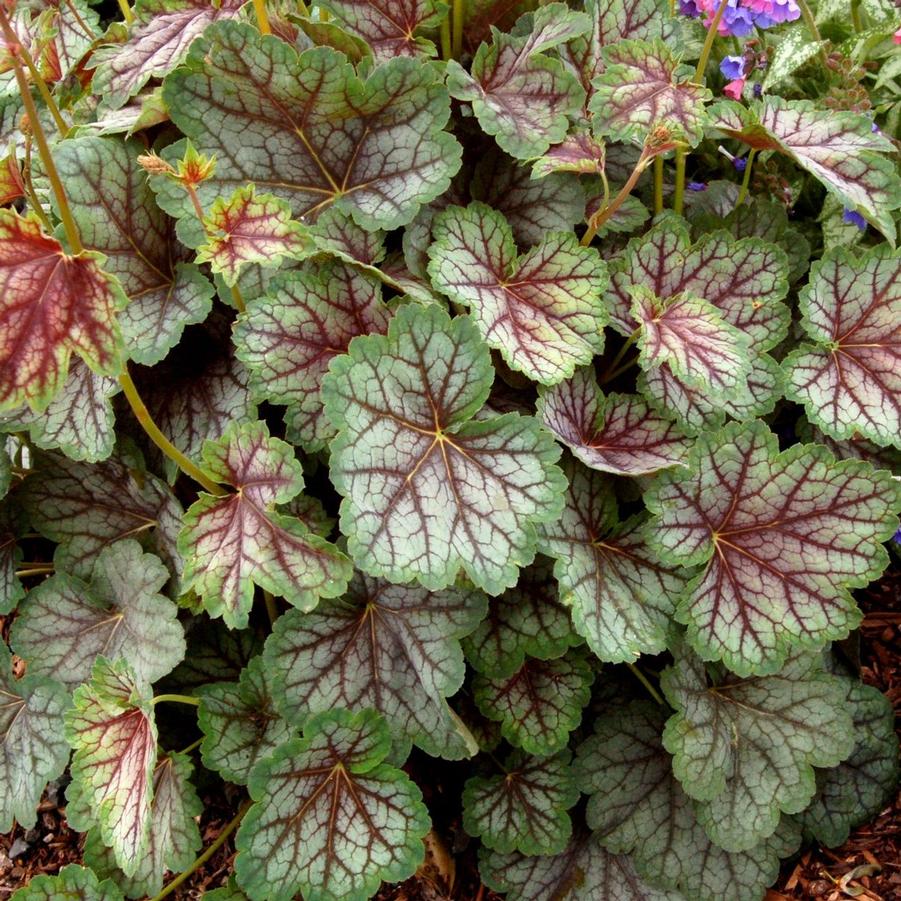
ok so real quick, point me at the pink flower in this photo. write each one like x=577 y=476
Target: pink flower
x=734 y=88
x=897 y=36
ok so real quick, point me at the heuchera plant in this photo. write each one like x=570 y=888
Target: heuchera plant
x=390 y=435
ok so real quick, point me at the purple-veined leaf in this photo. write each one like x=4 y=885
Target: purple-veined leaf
x=52 y=305
x=234 y=542
x=745 y=279
x=79 y=420
x=116 y=215
x=525 y=621
x=158 y=41
x=84 y=508
x=579 y=152
x=616 y=433
x=11 y=590
x=544 y=310
x=622 y=597
x=724 y=753
x=612 y=21
x=642 y=87
x=520 y=95
x=691 y=337
x=289 y=336
x=240 y=724
x=837 y=147
x=72 y=883
x=64 y=623
x=427 y=489
x=173 y=840
x=583 y=869
x=858 y=788
x=525 y=807
x=531 y=206
x=32 y=748
x=389 y=26
x=306 y=128
x=251 y=228
x=782 y=537
x=540 y=704
x=392 y=648
x=636 y=806
x=696 y=409
x=331 y=819
x=850 y=380
x=853 y=449
x=113 y=734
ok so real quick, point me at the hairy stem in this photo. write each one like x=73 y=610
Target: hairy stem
x=176 y=699
x=646 y=683
x=810 y=22
x=30 y=194
x=603 y=214
x=221 y=839
x=658 y=185
x=746 y=179
x=142 y=414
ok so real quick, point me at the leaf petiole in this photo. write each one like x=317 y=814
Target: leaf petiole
x=458 y=16
x=746 y=179
x=658 y=185
x=646 y=683
x=127 y=14
x=259 y=7
x=605 y=212
x=176 y=699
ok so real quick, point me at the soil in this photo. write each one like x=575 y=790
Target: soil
x=866 y=868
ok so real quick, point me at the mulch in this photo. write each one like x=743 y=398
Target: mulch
x=866 y=868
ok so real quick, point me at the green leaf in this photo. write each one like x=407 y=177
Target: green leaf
x=746 y=748
x=745 y=279
x=117 y=215
x=688 y=335
x=525 y=808
x=540 y=704
x=331 y=819
x=781 y=536
x=53 y=305
x=579 y=152
x=159 y=39
x=11 y=590
x=112 y=731
x=642 y=87
x=288 y=337
x=543 y=311
x=622 y=597
x=853 y=449
x=392 y=648
x=174 y=838
x=64 y=624
x=849 y=380
x=234 y=542
x=618 y=433
x=520 y=95
x=856 y=790
x=429 y=491
x=636 y=806
x=525 y=621
x=251 y=228
x=32 y=749
x=795 y=48
x=390 y=28
x=72 y=883
x=584 y=869
x=837 y=147
x=309 y=128
x=239 y=722
x=85 y=508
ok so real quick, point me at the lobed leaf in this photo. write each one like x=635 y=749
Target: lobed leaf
x=72 y=883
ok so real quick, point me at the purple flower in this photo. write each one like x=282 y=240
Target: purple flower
x=740 y=163
x=897 y=537
x=875 y=129
x=852 y=217
x=732 y=67
x=740 y=16
x=697 y=186
x=758 y=89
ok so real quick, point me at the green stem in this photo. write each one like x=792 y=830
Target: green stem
x=19 y=51
x=708 y=42
x=271 y=608
x=37 y=130
x=605 y=212
x=142 y=414
x=855 y=16
x=457 y=42
x=446 y=51
x=127 y=14
x=221 y=839
x=35 y=571
x=620 y=354
x=679 y=193
x=176 y=699
x=33 y=201
x=746 y=179
x=259 y=7
x=658 y=185
x=238 y=299
x=191 y=747
x=809 y=20
x=612 y=374
x=644 y=681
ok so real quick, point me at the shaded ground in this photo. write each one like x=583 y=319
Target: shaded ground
x=866 y=868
